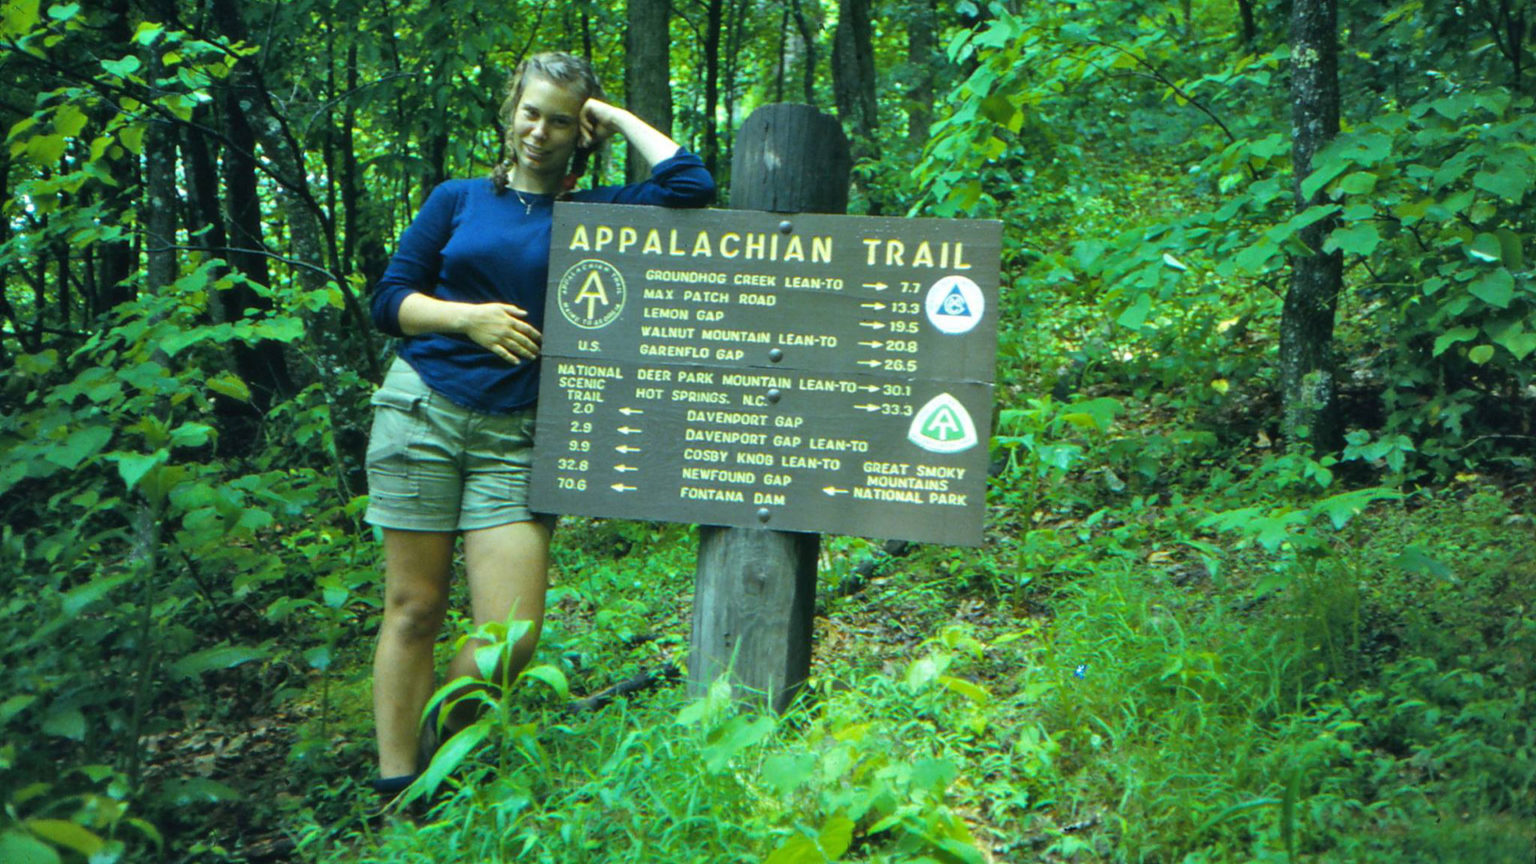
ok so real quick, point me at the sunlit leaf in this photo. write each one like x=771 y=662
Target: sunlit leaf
x=64 y=833
x=19 y=847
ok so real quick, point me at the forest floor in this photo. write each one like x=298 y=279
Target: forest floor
x=1097 y=683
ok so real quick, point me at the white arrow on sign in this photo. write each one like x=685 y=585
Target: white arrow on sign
x=625 y=468
x=628 y=411
x=834 y=491
x=625 y=448
x=877 y=306
x=870 y=388
x=873 y=325
x=873 y=343
x=869 y=362
x=628 y=430
x=878 y=286
x=869 y=408
x=620 y=487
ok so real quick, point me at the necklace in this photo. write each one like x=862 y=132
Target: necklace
x=527 y=205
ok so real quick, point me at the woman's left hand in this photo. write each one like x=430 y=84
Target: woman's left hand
x=599 y=122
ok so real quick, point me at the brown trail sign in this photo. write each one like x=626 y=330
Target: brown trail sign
x=800 y=373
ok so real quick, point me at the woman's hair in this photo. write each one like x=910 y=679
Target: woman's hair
x=568 y=71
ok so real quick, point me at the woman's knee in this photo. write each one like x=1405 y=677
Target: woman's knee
x=414 y=615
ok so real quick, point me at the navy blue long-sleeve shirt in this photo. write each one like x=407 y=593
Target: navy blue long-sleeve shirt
x=469 y=244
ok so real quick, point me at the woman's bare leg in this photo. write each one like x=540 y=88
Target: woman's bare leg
x=417 y=565
x=506 y=566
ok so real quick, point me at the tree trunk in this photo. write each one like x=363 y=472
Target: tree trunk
x=808 y=44
x=1250 y=31
x=853 y=73
x=716 y=16
x=1306 y=325
x=921 y=45
x=648 y=71
x=117 y=257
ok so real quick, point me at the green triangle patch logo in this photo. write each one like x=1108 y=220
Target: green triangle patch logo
x=943 y=426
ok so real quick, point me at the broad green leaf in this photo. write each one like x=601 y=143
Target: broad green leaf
x=67 y=723
x=1508 y=177
x=133 y=466
x=786 y=772
x=1481 y=354
x=1174 y=263
x=1358 y=183
x=77 y=600
x=18 y=847
x=20 y=17
x=64 y=833
x=218 y=657
x=147 y=33
x=737 y=734
x=63 y=11
x=447 y=758
x=1516 y=341
x=122 y=68
x=1451 y=337
x=1100 y=412
x=1254 y=258
x=191 y=435
x=68 y=120
x=229 y=384
x=836 y=836
x=81 y=445
x=1414 y=561
x=1341 y=508
x=1485 y=247
x=1136 y=314
x=974 y=692
x=132 y=137
x=798 y=849
x=551 y=676
x=1359 y=238
x=46 y=150
x=1511 y=251
x=1496 y=288
x=318 y=657
x=15 y=705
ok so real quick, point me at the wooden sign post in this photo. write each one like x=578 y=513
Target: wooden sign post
x=755 y=589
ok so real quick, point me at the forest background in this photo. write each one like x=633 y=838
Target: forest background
x=1258 y=575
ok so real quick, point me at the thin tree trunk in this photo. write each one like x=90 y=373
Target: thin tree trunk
x=648 y=71
x=1307 y=372
x=716 y=14
x=921 y=45
x=808 y=42
x=1250 y=31
x=853 y=73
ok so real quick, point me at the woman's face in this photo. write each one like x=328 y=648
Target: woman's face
x=545 y=128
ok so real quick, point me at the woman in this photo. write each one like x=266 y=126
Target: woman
x=451 y=444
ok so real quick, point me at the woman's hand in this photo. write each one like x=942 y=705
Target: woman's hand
x=599 y=122
x=500 y=328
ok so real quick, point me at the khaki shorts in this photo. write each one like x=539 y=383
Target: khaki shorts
x=437 y=466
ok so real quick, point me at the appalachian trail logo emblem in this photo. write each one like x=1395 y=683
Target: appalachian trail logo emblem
x=591 y=294
x=954 y=305
x=943 y=426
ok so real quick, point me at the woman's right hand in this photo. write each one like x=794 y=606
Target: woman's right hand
x=502 y=329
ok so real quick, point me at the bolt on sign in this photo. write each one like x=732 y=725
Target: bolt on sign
x=801 y=372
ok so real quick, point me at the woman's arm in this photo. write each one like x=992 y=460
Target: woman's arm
x=500 y=328
x=601 y=121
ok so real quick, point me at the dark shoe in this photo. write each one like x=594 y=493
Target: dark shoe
x=430 y=739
